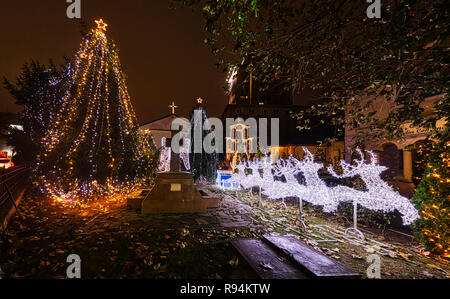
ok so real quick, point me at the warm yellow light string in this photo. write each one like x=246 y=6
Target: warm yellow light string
x=68 y=114
x=64 y=116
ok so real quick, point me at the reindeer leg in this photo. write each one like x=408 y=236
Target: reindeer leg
x=300 y=214
x=356 y=231
x=259 y=197
x=284 y=204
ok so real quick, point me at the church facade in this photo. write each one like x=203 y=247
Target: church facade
x=159 y=128
x=291 y=139
x=246 y=101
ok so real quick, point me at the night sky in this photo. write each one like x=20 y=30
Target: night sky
x=161 y=49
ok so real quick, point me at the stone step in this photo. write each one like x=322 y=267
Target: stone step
x=266 y=262
x=212 y=200
x=316 y=263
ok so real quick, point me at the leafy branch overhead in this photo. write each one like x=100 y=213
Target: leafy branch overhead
x=332 y=47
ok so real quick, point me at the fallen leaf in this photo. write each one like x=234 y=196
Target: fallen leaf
x=405 y=256
x=434 y=266
x=148 y=260
x=430 y=44
x=393 y=255
x=234 y=262
x=312 y=242
x=370 y=250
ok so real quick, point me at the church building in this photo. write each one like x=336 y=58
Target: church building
x=159 y=128
x=247 y=101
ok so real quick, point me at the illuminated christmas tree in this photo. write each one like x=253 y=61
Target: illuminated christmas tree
x=432 y=197
x=203 y=165
x=94 y=148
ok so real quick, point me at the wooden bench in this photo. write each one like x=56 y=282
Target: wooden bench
x=316 y=263
x=265 y=261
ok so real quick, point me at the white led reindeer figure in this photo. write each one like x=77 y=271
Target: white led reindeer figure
x=252 y=179
x=238 y=177
x=379 y=195
x=255 y=178
x=317 y=192
x=289 y=170
x=272 y=188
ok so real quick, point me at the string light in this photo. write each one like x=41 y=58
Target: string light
x=164 y=157
x=433 y=197
x=377 y=196
x=96 y=122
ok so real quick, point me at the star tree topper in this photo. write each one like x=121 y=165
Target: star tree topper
x=101 y=25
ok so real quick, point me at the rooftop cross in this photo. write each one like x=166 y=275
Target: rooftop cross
x=173 y=106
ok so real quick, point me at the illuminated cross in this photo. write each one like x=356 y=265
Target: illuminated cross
x=173 y=107
x=101 y=25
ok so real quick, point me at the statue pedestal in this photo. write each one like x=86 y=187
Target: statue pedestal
x=174 y=192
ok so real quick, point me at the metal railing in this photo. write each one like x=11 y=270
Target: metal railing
x=13 y=183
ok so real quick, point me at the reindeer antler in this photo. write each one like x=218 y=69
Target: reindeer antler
x=284 y=167
x=373 y=158
x=353 y=170
x=348 y=169
x=361 y=161
x=254 y=164
x=308 y=155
